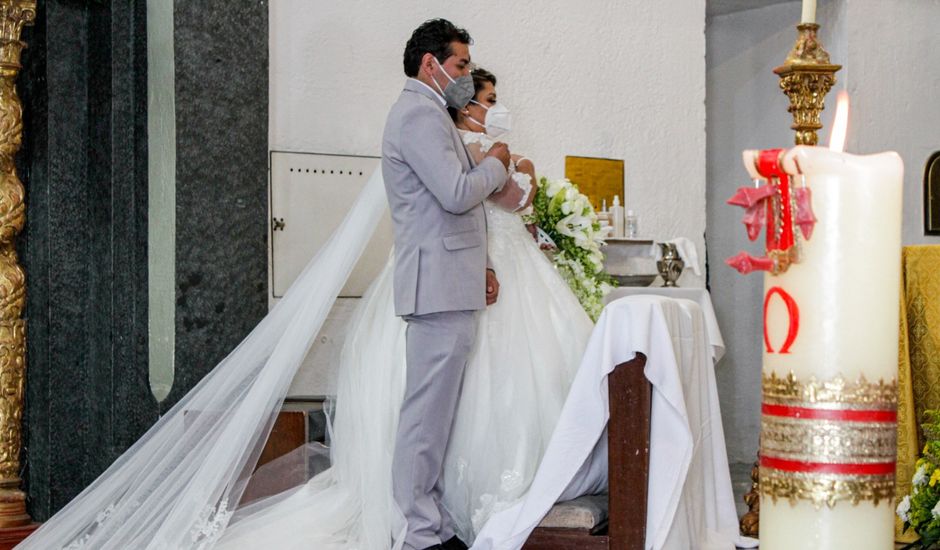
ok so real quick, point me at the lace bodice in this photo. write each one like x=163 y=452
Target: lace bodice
x=478 y=145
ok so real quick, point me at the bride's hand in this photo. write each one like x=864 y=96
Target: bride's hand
x=492 y=287
x=500 y=151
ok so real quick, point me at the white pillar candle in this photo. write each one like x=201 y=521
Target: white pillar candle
x=809 y=11
x=841 y=299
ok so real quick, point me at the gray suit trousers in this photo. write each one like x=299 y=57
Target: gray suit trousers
x=438 y=346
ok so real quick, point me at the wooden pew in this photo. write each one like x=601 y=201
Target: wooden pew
x=628 y=439
x=623 y=526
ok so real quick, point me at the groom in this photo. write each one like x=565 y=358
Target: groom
x=442 y=274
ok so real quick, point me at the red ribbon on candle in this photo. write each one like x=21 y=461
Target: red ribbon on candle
x=768 y=165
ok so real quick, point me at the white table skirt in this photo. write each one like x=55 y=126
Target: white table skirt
x=691 y=504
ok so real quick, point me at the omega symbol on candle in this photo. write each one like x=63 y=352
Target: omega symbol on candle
x=793 y=316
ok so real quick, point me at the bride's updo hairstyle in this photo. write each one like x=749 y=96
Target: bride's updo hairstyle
x=480 y=77
x=433 y=37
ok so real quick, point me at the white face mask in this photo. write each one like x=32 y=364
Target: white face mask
x=498 y=119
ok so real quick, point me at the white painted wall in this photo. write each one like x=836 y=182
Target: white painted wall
x=616 y=79
x=894 y=68
x=746 y=110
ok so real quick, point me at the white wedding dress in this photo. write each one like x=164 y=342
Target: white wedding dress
x=528 y=346
x=178 y=486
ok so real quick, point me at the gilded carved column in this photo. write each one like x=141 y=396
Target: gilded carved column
x=14 y=14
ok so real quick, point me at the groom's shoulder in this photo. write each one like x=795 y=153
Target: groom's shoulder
x=411 y=101
x=413 y=108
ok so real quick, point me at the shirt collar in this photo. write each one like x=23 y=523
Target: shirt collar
x=440 y=99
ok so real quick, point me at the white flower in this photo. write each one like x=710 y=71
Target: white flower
x=554 y=186
x=920 y=476
x=562 y=227
x=935 y=512
x=597 y=259
x=904 y=507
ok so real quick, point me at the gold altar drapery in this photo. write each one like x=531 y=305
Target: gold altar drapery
x=918 y=356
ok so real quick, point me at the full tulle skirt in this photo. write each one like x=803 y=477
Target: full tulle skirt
x=527 y=349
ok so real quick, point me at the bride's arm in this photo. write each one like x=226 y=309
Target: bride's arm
x=525 y=166
x=519 y=190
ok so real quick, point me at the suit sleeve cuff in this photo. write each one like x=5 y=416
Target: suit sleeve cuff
x=497 y=171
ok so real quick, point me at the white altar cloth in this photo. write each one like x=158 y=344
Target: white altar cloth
x=691 y=504
x=697 y=295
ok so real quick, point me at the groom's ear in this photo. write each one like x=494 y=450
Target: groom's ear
x=427 y=62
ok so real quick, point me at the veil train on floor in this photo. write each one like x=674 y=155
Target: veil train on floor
x=179 y=484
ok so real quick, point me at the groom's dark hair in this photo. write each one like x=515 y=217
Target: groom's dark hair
x=434 y=37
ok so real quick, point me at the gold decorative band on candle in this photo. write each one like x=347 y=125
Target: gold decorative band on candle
x=822 y=489
x=835 y=393
x=827 y=441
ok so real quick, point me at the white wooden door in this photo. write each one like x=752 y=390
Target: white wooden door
x=310 y=195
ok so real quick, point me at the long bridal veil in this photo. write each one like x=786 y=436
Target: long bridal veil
x=178 y=486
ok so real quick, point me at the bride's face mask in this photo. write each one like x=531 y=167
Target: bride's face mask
x=498 y=119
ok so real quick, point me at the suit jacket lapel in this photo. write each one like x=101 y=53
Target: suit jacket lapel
x=462 y=147
x=418 y=87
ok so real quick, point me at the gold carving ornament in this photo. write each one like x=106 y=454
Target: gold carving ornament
x=14 y=15
x=806 y=77
x=860 y=394
x=825 y=490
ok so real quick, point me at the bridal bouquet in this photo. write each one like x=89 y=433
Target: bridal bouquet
x=921 y=509
x=567 y=216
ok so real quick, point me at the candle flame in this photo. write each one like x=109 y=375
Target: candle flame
x=840 y=124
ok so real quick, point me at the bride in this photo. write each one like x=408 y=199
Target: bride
x=178 y=486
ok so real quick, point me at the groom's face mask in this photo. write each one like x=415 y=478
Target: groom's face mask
x=457 y=93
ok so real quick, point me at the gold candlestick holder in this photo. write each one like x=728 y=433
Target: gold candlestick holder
x=806 y=77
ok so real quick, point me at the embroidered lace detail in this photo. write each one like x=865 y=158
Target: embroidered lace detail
x=489 y=504
x=509 y=481
x=484 y=140
x=211 y=523
x=79 y=542
x=523 y=181
x=102 y=516
x=461 y=469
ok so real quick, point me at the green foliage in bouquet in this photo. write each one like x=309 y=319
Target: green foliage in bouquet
x=920 y=510
x=568 y=218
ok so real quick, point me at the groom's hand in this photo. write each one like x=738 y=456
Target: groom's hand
x=492 y=287
x=500 y=151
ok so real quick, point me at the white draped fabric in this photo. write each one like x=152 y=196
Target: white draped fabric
x=179 y=484
x=691 y=504
x=698 y=295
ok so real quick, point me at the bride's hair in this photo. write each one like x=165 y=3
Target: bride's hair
x=480 y=78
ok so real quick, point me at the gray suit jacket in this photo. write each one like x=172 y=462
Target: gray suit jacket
x=435 y=194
